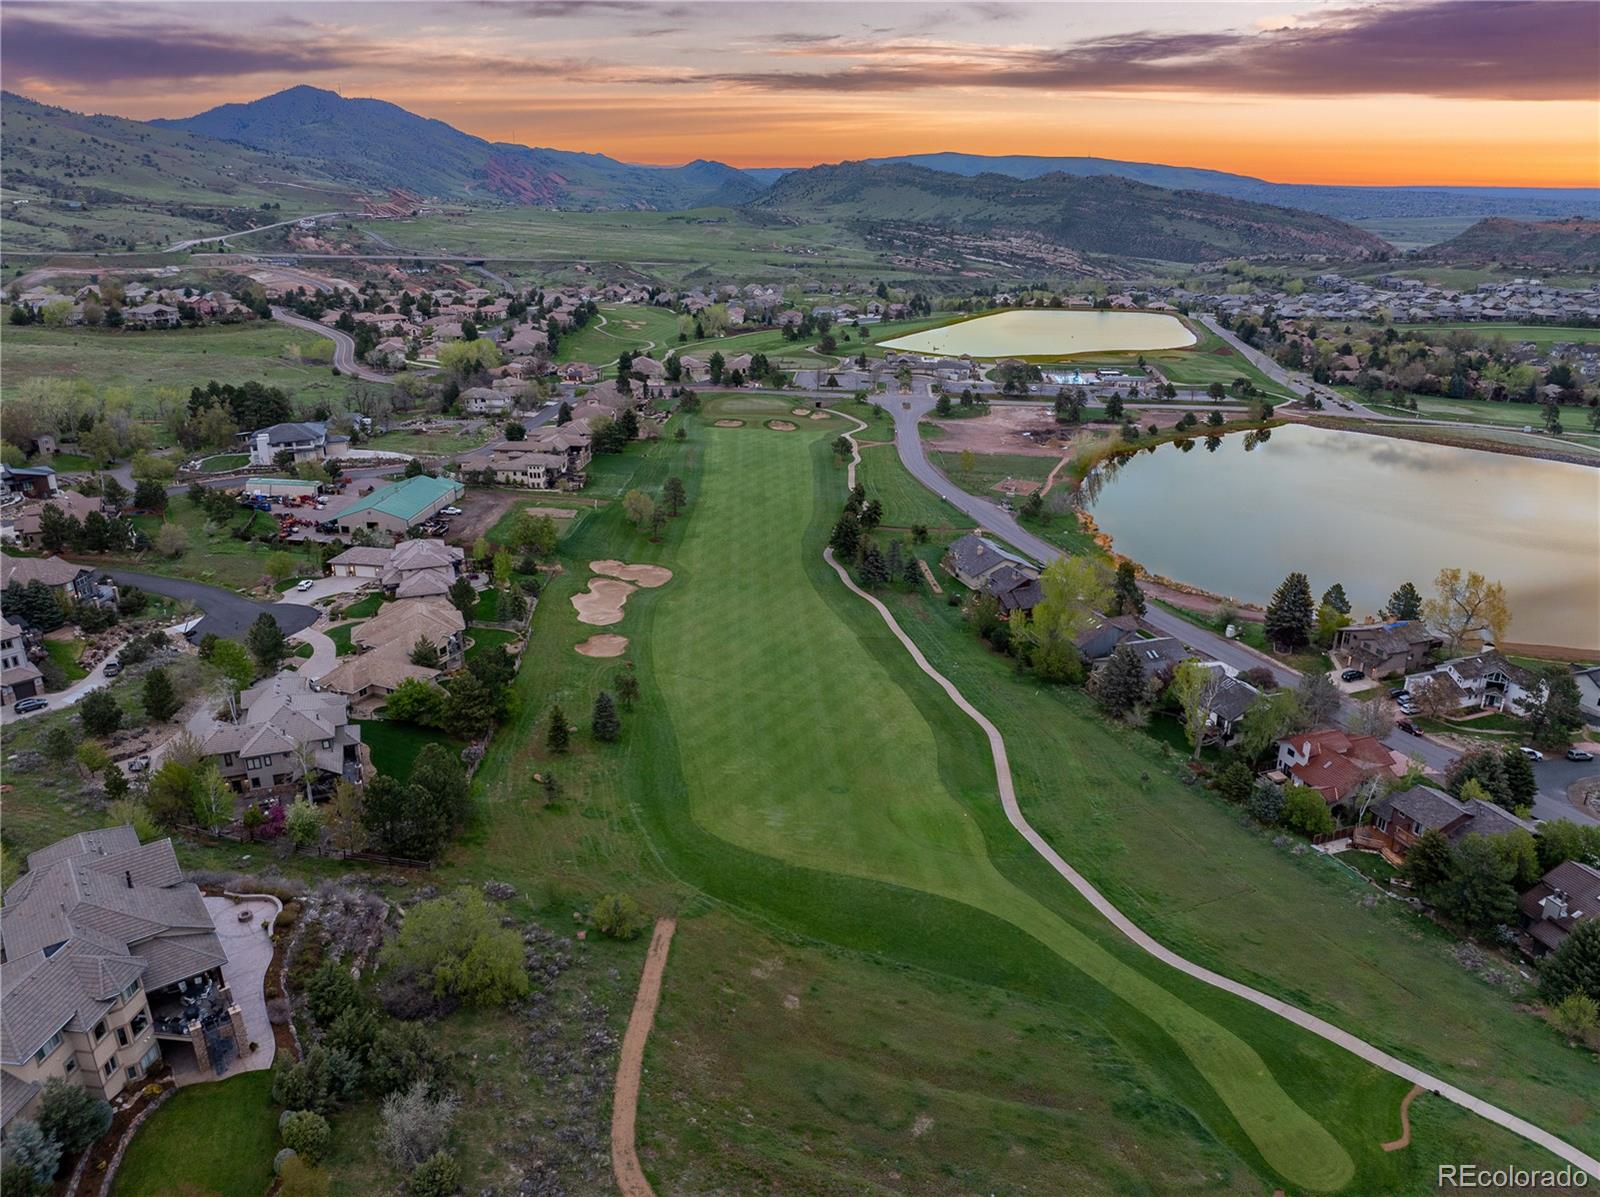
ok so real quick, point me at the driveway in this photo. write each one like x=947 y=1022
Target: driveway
x=1555 y=774
x=227 y=614
x=908 y=409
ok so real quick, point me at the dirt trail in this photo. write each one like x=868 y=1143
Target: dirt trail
x=631 y=1181
x=1405 y=1121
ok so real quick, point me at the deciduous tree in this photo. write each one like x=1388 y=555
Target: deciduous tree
x=1466 y=609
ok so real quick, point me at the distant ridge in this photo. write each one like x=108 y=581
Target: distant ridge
x=1572 y=244
x=381 y=144
x=1343 y=202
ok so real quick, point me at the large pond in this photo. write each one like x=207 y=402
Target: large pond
x=1049 y=333
x=1368 y=511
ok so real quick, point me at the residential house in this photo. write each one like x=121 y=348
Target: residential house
x=1099 y=639
x=1564 y=897
x=1015 y=587
x=1404 y=816
x=308 y=440
x=19 y=677
x=1588 y=692
x=1159 y=656
x=283 y=727
x=1229 y=704
x=421 y=569
x=486 y=401
x=106 y=949
x=34 y=482
x=75 y=582
x=24 y=527
x=398 y=626
x=398 y=507
x=151 y=315
x=362 y=561
x=1485 y=681
x=1383 y=650
x=515 y=464
x=1335 y=763
x=972 y=558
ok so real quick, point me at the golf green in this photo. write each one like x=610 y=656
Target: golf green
x=799 y=744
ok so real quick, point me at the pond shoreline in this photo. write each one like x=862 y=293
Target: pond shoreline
x=1456 y=437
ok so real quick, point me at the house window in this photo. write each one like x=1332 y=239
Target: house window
x=70 y=1067
x=227 y=760
x=45 y=1052
x=140 y=1021
x=327 y=743
x=111 y=1066
x=255 y=783
x=133 y=988
x=147 y=1060
x=122 y=1036
x=133 y=1072
x=99 y=1030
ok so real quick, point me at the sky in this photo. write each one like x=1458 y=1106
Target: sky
x=1343 y=91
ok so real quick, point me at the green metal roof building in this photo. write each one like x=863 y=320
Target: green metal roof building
x=399 y=506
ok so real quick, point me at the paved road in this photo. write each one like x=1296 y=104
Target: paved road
x=1309 y=1022
x=1555 y=773
x=227 y=614
x=344 y=347
x=178 y=246
x=909 y=409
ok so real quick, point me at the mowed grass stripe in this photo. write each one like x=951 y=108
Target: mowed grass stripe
x=797 y=744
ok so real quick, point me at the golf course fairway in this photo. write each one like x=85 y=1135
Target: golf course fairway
x=796 y=743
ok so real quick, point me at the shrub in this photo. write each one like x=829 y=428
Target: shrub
x=1235 y=782
x=330 y=992
x=322 y=1081
x=1305 y=811
x=307 y=1132
x=30 y=1155
x=283 y=1158
x=415 y=1125
x=437 y=1176
x=618 y=916
x=300 y=1178
x=71 y=1115
x=1576 y=1016
x=1266 y=802
x=459 y=946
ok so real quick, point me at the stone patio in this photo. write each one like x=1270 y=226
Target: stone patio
x=249 y=950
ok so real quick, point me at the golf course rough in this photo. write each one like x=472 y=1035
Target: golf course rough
x=847 y=781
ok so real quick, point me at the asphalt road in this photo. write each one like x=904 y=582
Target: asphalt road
x=344 y=346
x=910 y=408
x=178 y=246
x=1555 y=773
x=227 y=614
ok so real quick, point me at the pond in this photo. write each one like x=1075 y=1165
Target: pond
x=1368 y=511
x=1049 y=333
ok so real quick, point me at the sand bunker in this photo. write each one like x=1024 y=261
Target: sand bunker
x=603 y=644
x=730 y=423
x=780 y=425
x=648 y=576
x=819 y=415
x=800 y=411
x=601 y=604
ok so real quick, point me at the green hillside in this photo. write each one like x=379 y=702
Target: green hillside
x=1098 y=215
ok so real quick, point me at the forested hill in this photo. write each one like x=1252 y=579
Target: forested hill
x=1572 y=244
x=1099 y=215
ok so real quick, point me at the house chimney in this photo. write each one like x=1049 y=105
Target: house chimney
x=127 y=875
x=1553 y=906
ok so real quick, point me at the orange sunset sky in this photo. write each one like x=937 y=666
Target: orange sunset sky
x=1417 y=91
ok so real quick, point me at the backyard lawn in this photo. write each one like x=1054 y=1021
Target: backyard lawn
x=394 y=746
x=216 y=1138
x=366 y=607
x=65 y=654
x=340 y=635
x=487 y=639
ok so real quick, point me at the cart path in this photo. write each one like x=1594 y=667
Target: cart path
x=625 y=1104
x=1310 y=1022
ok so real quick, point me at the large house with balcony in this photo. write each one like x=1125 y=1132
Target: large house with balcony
x=308 y=440
x=1485 y=681
x=1382 y=650
x=283 y=728
x=104 y=951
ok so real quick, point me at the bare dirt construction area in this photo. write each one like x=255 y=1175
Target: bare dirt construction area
x=603 y=644
x=601 y=604
x=481 y=509
x=1026 y=430
x=780 y=426
x=1015 y=486
x=648 y=576
x=730 y=423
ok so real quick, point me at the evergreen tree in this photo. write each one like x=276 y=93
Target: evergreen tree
x=1334 y=597
x=161 y=701
x=1574 y=967
x=846 y=538
x=1429 y=861
x=265 y=642
x=1478 y=892
x=556 y=738
x=871 y=514
x=1290 y=613
x=627 y=684
x=604 y=722
x=463 y=597
x=100 y=713
x=1487 y=767
x=911 y=572
x=673 y=495
x=115 y=782
x=1126 y=597
x=1119 y=685
x=874 y=569
x=1521 y=784
x=1405 y=603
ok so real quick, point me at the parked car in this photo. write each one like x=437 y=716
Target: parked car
x=1399 y=693
x=139 y=764
x=1533 y=754
x=1351 y=675
x=1578 y=754
x=113 y=667
x=25 y=705
x=1410 y=728
x=303 y=585
x=450 y=511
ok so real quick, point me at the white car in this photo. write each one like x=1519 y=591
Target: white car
x=304 y=585
x=450 y=511
x=1533 y=754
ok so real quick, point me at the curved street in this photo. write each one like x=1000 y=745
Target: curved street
x=344 y=346
x=1309 y=1022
